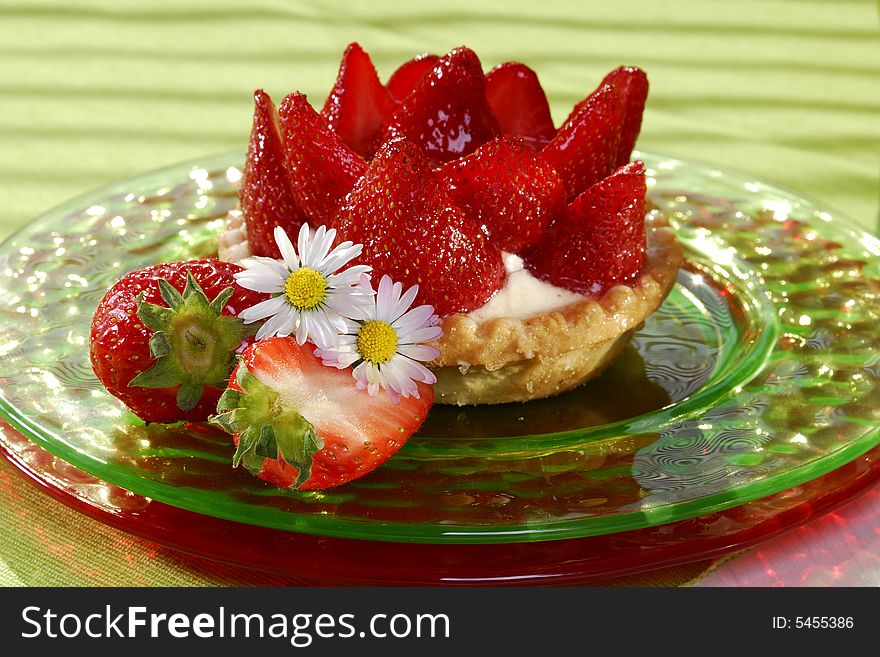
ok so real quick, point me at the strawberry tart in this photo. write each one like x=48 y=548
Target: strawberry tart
x=434 y=238
x=532 y=243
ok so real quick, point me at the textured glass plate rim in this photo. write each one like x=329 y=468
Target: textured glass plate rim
x=56 y=485
x=333 y=526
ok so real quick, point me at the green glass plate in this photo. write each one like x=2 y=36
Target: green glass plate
x=760 y=372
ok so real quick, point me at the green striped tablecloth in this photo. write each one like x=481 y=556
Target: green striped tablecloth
x=96 y=91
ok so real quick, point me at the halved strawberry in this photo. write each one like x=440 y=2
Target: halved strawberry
x=358 y=104
x=518 y=101
x=632 y=83
x=412 y=231
x=585 y=149
x=600 y=241
x=163 y=339
x=405 y=79
x=265 y=195
x=447 y=114
x=300 y=424
x=508 y=189
x=321 y=167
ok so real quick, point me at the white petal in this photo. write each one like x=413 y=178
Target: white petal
x=404 y=303
x=286 y=248
x=386 y=296
x=321 y=247
x=286 y=327
x=349 y=277
x=415 y=319
x=259 y=282
x=412 y=369
x=341 y=256
x=303 y=244
x=425 y=334
x=266 y=266
x=418 y=352
x=274 y=323
x=263 y=309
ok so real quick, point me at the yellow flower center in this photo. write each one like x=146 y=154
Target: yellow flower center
x=305 y=289
x=377 y=341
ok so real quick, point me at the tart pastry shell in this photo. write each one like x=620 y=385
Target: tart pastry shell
x=507 y=359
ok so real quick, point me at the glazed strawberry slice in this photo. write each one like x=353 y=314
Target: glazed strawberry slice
x=405 y=79
x=585 y=149
x=412 y=231
x=632 y=84
x=447 y=114
x=300 y=424
x=265 y=196
x=518 y=101
x=163 y=339
x=508 y=189
x=600 y=240
x=322 y=169
x=358 y=104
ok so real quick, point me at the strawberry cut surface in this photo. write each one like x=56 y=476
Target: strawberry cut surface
x=300 y=424
x=447 y=114
x=518 y=101
x=412 y=231
x=600 y=240
x=508 y=189
x=199 y=338
x=322 y=169
x=359 y=104
x=265 y=194
x=585 y=149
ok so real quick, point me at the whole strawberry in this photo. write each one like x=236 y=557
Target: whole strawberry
x=265 y=194
x=411 y=230
x=518 y=101
x=358 y=105
x=321 y=167
x=585 y=150
x=300 y=424
x=508 y=189
x=600 y=239
x=447 y=114
x=164 y=338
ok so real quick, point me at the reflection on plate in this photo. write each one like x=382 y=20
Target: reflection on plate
x=758 y=373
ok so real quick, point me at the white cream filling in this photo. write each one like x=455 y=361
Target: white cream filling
x=523 y=295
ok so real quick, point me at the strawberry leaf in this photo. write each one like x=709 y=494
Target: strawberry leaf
x=266 y=427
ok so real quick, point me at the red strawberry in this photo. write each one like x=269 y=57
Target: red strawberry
x=300 y=424
x=358 y=104
x=585 y=149
x=321 y=167
x=412 y=231
x=600 y=241
x=265 y=196
x=508 y=189
x=404 y=80
x=632 y=83
x=447 y=114
x=519 y=103
x=163 y=339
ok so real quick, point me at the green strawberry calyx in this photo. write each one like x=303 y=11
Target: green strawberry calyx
x=193 y=343
x=266 y=427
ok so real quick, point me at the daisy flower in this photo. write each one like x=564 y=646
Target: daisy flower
x=310 y=299
x=385 y=344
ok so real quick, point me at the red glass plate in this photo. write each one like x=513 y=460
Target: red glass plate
x=323 y=560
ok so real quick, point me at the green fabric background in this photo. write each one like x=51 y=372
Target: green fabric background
x=95 y=91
